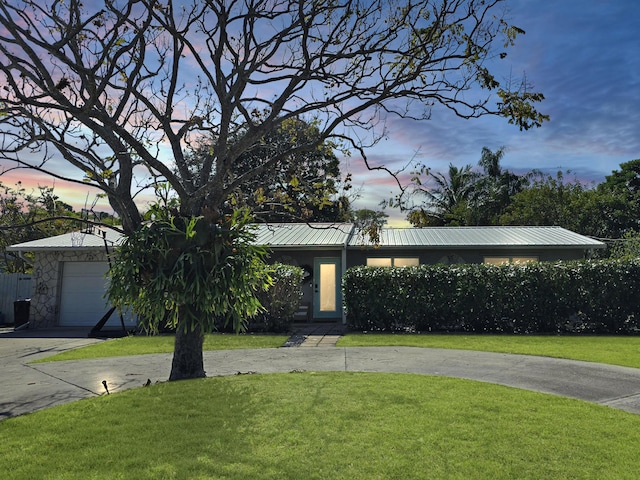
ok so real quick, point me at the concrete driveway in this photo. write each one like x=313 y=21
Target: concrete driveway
x=26 y=388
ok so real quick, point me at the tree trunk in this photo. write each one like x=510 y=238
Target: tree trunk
x=187 y=354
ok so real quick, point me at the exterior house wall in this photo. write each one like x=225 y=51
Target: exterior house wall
x=47 y=282
x=302 y=258
x=432 y=257
x=300 y=246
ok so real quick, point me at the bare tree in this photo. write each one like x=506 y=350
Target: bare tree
x=110 y=92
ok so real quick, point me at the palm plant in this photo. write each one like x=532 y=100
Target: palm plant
x=446 y=202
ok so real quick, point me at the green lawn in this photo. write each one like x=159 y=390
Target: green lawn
x=141 y=345
x=323 y=426
x=614 y=350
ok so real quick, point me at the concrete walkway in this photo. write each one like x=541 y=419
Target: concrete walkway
x=316 y=335
x=25 y=388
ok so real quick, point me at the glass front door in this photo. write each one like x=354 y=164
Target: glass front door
x=327 y=300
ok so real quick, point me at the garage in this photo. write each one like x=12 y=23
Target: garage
x=82 y=301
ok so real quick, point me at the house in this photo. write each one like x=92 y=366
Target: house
x=69 y=270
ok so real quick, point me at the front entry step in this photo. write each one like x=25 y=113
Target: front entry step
x=316 y=335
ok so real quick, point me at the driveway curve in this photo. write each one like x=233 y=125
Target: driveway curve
x=36 y=386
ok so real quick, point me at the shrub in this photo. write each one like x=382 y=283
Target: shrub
x=280 y=301
x=560 y=297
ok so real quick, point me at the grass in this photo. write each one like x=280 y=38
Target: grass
x=323 y=426
x=614 y=350
x=141 y=345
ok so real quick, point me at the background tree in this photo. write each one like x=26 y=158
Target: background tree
x=117 y=91
x=604 y=211
x=446 y=197
x=306 y=186
x=31 y=215
x=627 y=247
x=547 y=201
x=494 y=188
x=464 y=196
x=619 y=196
x=369 y=223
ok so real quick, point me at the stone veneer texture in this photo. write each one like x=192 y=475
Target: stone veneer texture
x=47 y=281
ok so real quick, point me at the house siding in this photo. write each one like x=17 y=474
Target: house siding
x=302 y=257
x=302 y=244
x=432 y=257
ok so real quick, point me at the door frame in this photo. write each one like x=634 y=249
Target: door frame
x=317 y=287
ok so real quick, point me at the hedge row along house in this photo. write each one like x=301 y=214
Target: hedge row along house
x=69 y=270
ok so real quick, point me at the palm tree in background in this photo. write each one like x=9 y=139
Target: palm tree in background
x=446 y=203
x=493 y=189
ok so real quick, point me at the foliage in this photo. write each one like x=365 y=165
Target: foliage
x=627 y=248
x=547 y=201
x=365 y=217
x=198 y=269
x=26 y=216
x=588 y=210
x=463 y=196
x=447 y=201
x=577 y=297
x=76 y=82
x=494 y=189
x=497 y=196
x=608 y=210
x=280 y=301
x=307 y=184
x=623 y=187
x=125 y=93
x=369 y=224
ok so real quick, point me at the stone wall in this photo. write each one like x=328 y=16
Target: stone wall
x=47 y=282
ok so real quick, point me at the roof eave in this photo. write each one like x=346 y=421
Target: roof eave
x=475 y=247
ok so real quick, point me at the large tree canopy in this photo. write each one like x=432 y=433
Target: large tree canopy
x=306 y=186
x=109 y=86
x=118 y=93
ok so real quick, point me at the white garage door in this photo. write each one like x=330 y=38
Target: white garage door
x=82 y=301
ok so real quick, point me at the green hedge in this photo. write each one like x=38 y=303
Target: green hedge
x=562 y=297
x=280 y=302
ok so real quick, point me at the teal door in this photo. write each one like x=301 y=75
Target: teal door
x=327 y=298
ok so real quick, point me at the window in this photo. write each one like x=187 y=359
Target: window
x=514 y=260
x=405 y=262
x=392 y=261
x=379 y=262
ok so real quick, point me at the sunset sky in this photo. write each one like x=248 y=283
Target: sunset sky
x=584 y=55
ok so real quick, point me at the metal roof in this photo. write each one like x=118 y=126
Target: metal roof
x=475 y=237
x=304 y=235
x=341 y=235
x=81 y=240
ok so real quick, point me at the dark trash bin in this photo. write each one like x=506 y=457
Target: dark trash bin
x=21 y=312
